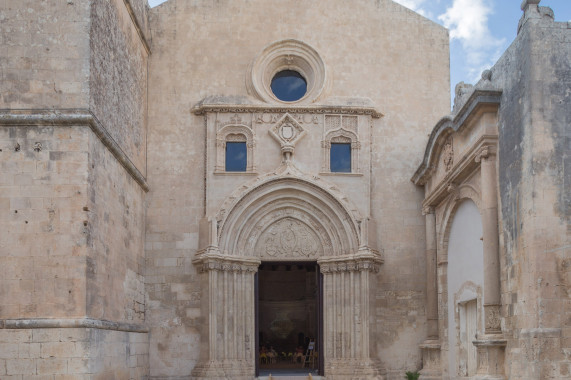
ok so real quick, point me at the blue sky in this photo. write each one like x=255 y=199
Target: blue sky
x=480 y=30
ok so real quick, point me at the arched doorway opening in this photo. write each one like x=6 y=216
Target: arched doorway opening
x=289 y=318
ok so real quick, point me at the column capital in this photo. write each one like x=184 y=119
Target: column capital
x=359 y=262
x=485 y=153
x=426 y=210
x=214 y=261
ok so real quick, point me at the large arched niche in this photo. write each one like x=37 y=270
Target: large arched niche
x=315 y=211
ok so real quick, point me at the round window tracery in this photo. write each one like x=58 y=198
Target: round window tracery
x=281 y=60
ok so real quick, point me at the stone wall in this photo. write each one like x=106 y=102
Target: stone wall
x=534 y=196
x=72 y=353
x=114 y=232
x=45 y=58
x=118 y=77
x=43 y=246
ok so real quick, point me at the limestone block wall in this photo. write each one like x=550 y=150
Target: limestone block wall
x=118 y=76
x=45 y=58
x=115 y=228
x=72 y=353
x=43 y=245
x=534 y=195
x=204 y=48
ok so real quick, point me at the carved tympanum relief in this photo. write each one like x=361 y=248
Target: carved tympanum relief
x=288 y=237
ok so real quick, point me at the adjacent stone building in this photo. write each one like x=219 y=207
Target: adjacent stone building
x=185 y=188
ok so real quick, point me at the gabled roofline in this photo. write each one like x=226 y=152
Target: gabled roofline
x=453 y=123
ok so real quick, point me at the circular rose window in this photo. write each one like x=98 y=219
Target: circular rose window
x=287 y=71
x=289 y=86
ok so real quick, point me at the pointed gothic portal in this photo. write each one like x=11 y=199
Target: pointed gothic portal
x=288 y=318
x=285 y=220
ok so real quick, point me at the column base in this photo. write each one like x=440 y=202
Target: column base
x=491 y=354
x=223 y=369
x=431 y=367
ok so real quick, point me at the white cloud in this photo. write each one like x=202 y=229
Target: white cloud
x=468 y=23
x=154 y=3
x=415 y=5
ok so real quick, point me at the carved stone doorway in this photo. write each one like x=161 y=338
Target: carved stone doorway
x=289 y=315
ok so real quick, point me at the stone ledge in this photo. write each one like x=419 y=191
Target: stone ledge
x=73 y=117
x=45 y=323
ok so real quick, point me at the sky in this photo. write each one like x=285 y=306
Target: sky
x=480 y=30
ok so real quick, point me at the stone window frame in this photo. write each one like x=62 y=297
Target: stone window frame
x=343 y=136
x=234 y=133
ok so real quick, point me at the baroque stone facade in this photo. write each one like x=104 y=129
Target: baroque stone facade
x=131 y=250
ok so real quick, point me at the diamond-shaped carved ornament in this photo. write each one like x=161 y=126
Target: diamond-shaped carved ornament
x=287 y=131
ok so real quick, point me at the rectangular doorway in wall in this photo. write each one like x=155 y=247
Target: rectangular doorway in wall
x=289 y=319
x=468 y=330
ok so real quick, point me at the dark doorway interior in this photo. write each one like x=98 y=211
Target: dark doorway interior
x=288 y=318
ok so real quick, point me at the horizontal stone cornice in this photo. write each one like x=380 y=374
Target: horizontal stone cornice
x=49 y=323
x=203 y=108
x=73 y=117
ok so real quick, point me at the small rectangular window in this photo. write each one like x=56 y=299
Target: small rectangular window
x=236 y=156
x=340 y=158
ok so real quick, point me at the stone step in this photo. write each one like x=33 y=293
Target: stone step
x=290 y=377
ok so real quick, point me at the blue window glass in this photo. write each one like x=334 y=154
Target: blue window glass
x=340 y=157
x=289 y=86
x=236 y=157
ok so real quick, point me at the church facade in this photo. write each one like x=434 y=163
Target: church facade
x=228 y=189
